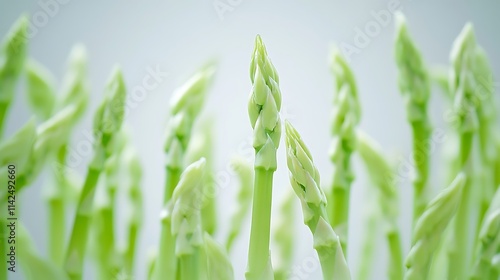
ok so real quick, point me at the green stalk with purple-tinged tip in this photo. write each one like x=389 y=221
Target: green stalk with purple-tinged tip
x=263 y=110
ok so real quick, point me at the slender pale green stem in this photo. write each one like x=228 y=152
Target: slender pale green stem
x=421 y=135
x=258 y=251
x=78 y=241
x=3 y=114
x=396 y=255
x=367 y=248
x=340 y=211
x=166 y=263
x=173 y=176
x=460 y=252
x=189 y=266
x=3 y=246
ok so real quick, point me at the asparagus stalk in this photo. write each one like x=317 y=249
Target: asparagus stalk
x=15 y=150
x=245 y=175
x=489 y=242
x=107 y=122
x=379 y=170
x=346 y=115
x=34 y=266
x=283 y=236
x=185 y=106
x=104 y=217
x=185 y=216
x=430 y=227
x=12 y=57
x=219 y=266
x=462 y=81
x=304 y=177
x=263 y=110
x=201 y=145
x=135 y=197
x=40 y=90
x=415 y=87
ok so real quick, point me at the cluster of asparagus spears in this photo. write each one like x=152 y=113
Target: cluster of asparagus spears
x=455 y=235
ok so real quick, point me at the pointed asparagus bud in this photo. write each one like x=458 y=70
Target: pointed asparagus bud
x=219 y=266
x=430 y=228
x=304 y=177
x=41 y=93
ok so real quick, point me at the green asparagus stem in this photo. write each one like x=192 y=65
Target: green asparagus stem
x=489 y=242
x=185 y=107
x=415 y=87
x=104 y=217
x=346 y=115
x=135 y=197
x=245 y=173
x=219 y=266
x=15 y=150
x=41 y=90
x=462 y=81
x=12 y=57
x=430 y=227
x=304 y=178
x=263 y=110
x=107 y=122
x=379 y=170
x=201 y=145
x=184 y=209
x=35 y=267
x=283 y=236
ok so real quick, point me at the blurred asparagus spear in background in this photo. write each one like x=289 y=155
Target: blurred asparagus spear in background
x=415 y=87
x=104 y=219
x=201 y=145
x=462 y=84
x=489 y=242
x=219 y=265
x=245 y=174
x=283 y=236
x=430 y=227
x=107 y=122
x=12 y=57
x=16 y=151
x=134 y=223
x=185 y=216
x=186 y=104
x=381 y=174
x=345 y=117
x=304 y=177
x=263 y=110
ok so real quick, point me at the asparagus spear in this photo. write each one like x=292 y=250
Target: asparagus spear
x=304 y=177
x=107 y=122
x=415 y=87
x=283 y=236
x=219 y=266
x=186 y=105
x=263 y=110
x=379 y=171
x=245 y=175
x=346 y=115
x=185 y=216
x=430 y=227
x=135 y=196
x=462 y=81
x=12 y=57
x=489 y=242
